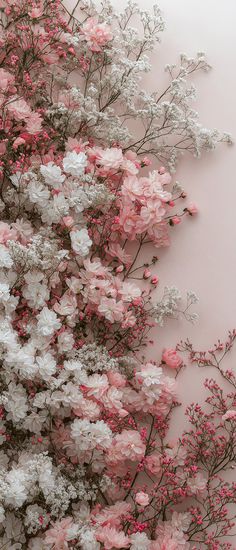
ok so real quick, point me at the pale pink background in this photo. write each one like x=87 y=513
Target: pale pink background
x=203 y=252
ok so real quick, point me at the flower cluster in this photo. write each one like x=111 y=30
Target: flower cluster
x=85 y=457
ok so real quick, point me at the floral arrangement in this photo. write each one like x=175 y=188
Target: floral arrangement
x=85 y=457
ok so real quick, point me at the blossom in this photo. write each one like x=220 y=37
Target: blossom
x=19 y=109
x=127 y=445
x=6 y=79
x=52 y=174
x=229 y=415
x=139 y=541
x=80 y=241
x=197 y=483
x=90 y=435
x=111 y=159
x=96 y=34
x=6 y=233
x=48 y=322
x=111 y=309
x=171 y=358
x=34 y=123
x=111 y=538
x=61 y=533
x=142 y=498
x=75 y=163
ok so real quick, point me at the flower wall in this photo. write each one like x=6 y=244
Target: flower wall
x=89 y=199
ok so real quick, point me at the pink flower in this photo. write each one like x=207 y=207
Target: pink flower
x=116 y=379
x=6 y=80
x=112 y=538
x=147 y=273
x=175 y=220
x=60 y=534
x=96 y=34
x=192 y=209
x=127 y=445
x=154 y=280
x=111 y=158
x=142 y=498
x=111 y=516
x=17 y=142
x=153 y=463
x=36 y=12
x=6 y=233
x=171 y=358
x=111 y=309
x=34 y=123
x=229 y=415
x=19 y=109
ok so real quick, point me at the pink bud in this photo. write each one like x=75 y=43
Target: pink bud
x=154 y=280
x=119 y=269
x=162 y=170
x=176 y=220
x=146 y=161
x=192 y=209
x=146 y=273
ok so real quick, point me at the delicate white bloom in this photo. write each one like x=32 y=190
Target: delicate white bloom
x=38 y=193
x=5 y=258
x=16 y=492
x=89 y=435
x=52 y=174
x=48 y=322
x=75 y=163
x=16 y=405
x=80 y=241
x=4 y=293
x=139 y=541
x=46 y=365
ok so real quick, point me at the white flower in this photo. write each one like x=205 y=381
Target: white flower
x=65 y=341
x=34 y=421
x=47 y=365
x=74 y=163
x=4 y=292
x=38 y=193
x=35 y=292
x=52 y=174
x=16 y=491
x=16 y=405
x=2 y=514
x=139 y=541
x=5 y=258
x=80 y=241
x=88 y=435
x=48 y=322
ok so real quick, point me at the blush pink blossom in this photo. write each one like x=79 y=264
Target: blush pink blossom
x=6 y=233
x=34 y=123
x=6 y=80
x=142 y=498
x=96 y=34
x=60 y=534
x=229 y=415
x=171 y=358
x=111 y=159
x=19 y=109
x=192 y=209
x=111 y=538
x=127 y=445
